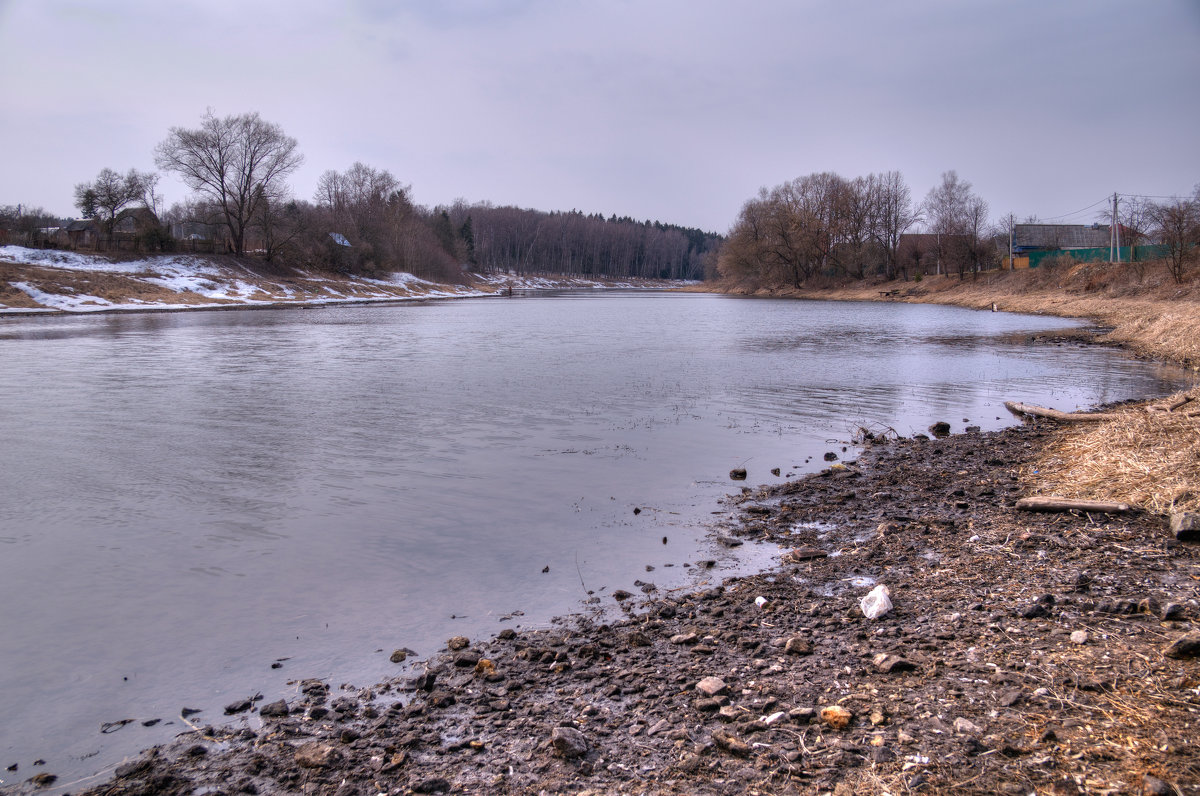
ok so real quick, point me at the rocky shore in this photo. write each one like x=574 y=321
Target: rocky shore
x=1048 y=653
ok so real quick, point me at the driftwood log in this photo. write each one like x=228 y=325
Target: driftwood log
x=1065 y=504
x=1053 y=414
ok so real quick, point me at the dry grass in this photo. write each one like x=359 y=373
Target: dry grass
x=1148 y=458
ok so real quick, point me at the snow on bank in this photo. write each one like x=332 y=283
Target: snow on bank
x=190 y=282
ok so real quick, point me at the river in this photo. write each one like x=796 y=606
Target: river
x=190 y=498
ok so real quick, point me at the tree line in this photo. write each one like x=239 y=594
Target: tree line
x=536 y=242
x=361 y=220
x=825 y=225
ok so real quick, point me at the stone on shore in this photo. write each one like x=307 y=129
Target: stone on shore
x=836 y=717
x=568 y=742
x=1186 y=646
x=316 y=755
x=1186 y=526
x=711 y=686
x=279 y=708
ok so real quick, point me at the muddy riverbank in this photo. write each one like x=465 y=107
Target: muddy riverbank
x=1024 y=652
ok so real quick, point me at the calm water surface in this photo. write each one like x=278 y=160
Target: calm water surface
x=189 y=497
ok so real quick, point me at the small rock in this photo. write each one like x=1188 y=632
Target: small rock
x=729 y=541
x=803 y=554
x=685 y=638
x=621 y=594
x=836 y=717
x=888 y=664
x=966 y=727
x=729 y=714
x=424 y=681
x=400 y=655
x=738 y=474
x=1080 y=637
x=797 y=646
x=940 y=429
x=458 y=643
x=1010 y=698
x=432 y=785
x=711 y=686
x=568 y=742
x=1172 y=611
x=43 y=780
x=1186 y=525
x=1153 y=786
x=1187 y=646
x=279 y=708
x=1033 y=611
x=830 y=456
x=316 y=755
x=241 y=706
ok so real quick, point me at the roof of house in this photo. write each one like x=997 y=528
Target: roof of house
x=1060 y=236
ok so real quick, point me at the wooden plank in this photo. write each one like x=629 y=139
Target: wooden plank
x=1053 y=414
x=1066 y=504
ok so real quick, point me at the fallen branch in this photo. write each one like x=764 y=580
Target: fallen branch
x=1066 y=504
x=1182 y=402
x=1053 y=414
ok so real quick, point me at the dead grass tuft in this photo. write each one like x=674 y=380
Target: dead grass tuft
x=1145 y=457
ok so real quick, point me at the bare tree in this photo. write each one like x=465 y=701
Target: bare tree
x=894 y=215
x=1178 y=226
x=236 y=162
x=105 y=197
x=957 y=216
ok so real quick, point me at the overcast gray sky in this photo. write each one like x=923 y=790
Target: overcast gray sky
x=676 y=110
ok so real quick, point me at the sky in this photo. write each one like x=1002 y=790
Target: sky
x=672 y=110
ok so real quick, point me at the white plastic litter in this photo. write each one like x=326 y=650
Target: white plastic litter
x=876 y=603
x=760 y=601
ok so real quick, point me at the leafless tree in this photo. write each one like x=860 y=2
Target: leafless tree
x=894 y=214
x=105 y=197
x=1178 y=226
x=235 y=162
x=957 y=216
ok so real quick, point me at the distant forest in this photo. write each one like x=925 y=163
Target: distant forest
x=360 y=221
x=536 y=242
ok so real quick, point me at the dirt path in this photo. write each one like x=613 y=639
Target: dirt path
x=1024 y=652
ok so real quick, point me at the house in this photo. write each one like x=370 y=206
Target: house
x=84 y=233
x=133 y=222
x=1058 y=237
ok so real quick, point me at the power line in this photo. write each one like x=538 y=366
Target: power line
x=1077 y=212
x=1149 y=196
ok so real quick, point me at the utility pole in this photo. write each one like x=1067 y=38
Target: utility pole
x=1114 y=235
x=1012 y=266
